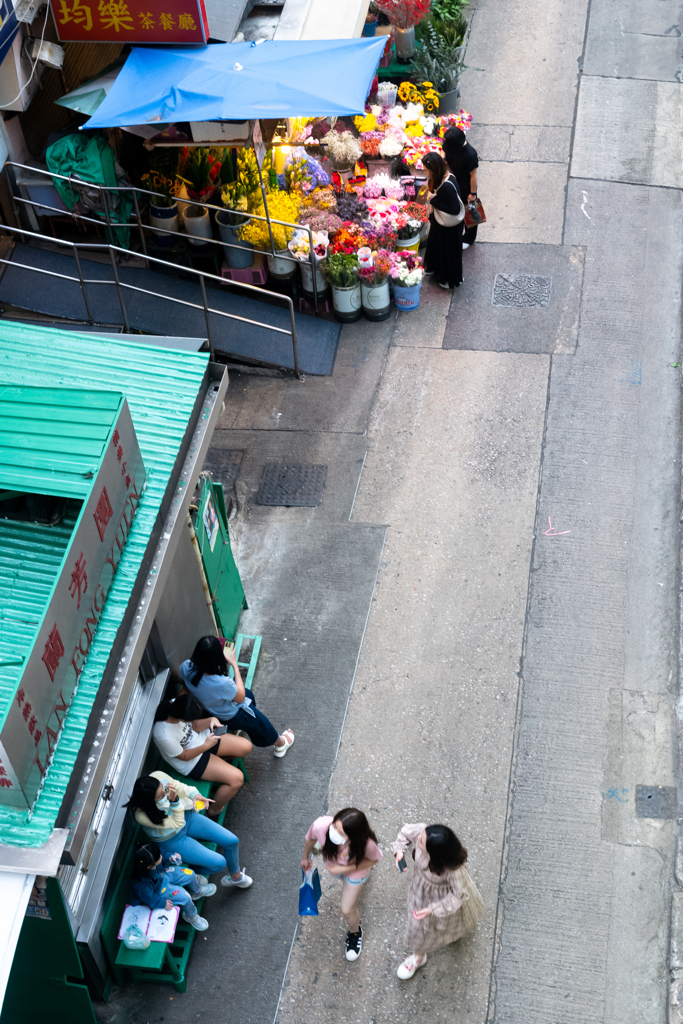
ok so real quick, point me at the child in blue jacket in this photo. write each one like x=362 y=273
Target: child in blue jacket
x=160 y=884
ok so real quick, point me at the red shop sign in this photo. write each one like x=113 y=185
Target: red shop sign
x=132 y=21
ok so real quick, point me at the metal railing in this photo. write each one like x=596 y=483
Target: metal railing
x=120 y=285
x=77 y=184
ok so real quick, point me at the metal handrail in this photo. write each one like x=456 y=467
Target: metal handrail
x=120 y=285
x=72 y=179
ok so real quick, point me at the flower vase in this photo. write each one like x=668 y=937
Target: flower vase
x=197 y=224
x=369 y=28
x=281 y=268
x=375 y=300
x=405 y=44
x=238 y=254
x=161 y=217
x=406 y=298
x=347 y=303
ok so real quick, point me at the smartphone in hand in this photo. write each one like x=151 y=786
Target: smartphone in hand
x=402 y=864
x=227 y=645
x=220 y=730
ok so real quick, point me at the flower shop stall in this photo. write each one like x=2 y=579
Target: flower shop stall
x=323 y=199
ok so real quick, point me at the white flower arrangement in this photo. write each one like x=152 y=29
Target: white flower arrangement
x=428 y=123
x=344 y=148
x=390 y=146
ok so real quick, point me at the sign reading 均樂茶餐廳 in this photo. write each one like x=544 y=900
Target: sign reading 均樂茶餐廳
x=54 y=664
x=132 y=21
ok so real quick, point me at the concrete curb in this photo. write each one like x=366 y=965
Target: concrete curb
x=676 y=948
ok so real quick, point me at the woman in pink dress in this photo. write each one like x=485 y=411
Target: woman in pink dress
x=443 y=901
x=350 y=851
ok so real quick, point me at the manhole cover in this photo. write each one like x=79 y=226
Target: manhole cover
x=656 y=802
x=224 y=464
x=296 y=484
x=524 y=291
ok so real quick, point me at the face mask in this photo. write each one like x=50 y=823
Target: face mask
x=163 y=804
x=335 y=837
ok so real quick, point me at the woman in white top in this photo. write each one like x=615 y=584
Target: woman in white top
x=184 y=736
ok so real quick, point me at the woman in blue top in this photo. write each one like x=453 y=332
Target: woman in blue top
x=206 y=676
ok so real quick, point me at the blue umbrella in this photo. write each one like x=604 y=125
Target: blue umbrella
x=242 y=81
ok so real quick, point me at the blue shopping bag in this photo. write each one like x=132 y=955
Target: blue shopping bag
x=309 y=892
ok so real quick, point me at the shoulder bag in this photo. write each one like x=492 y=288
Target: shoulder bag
x=449 y=220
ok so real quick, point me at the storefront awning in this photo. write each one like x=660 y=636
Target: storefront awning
x=242 y=81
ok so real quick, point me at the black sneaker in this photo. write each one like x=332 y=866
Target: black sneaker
x=354 y=944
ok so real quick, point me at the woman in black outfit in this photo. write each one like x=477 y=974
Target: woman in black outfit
x=463 y=161
x=443 y=257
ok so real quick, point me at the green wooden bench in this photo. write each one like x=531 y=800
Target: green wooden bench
x=163 y=962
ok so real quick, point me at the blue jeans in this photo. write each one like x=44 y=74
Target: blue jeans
x=197 y=826
x=177 y=880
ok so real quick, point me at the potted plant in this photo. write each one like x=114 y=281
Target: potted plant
x=404 y=16
x=281 y=206
x=440 y=62
x=240 y=197
x=161 y=180
x=406 y=274
x=374 y=287
x=340 y=270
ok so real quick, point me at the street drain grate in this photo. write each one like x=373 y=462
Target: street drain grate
x=522 y=291
x=656 y=802
x=297 y=484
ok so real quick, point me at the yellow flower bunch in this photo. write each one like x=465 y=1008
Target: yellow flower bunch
x=409 y=93
x=368 y=123
x=429 y=98
x=281 y=206
x=414 y=129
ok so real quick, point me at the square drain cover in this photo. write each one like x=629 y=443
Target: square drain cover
x=524 y=291
x=296 y=484
x=656 y=802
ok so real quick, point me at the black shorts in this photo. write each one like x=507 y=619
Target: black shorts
x=201 y=765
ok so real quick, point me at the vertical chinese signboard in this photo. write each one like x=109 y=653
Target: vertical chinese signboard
x=132 y=21
x=53 y=668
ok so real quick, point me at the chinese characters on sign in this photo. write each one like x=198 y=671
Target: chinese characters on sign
x=134 y=21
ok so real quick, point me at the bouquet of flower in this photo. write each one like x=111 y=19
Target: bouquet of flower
x=407 y=228
x=404 y=13
x=406 y=269
x=391 y=145
x=380 y=269
x=349 y=239
x=417 y=148
x=321 y=220
x=366 y=123
x=416 y=211
x=300 y=247
x=384 y=211
x=340 y=269
x=369 y=142
x=281 y=206
x=344 y=148
x=461 y=120
x=351 y=208
x=374 y=187
x=199 y=170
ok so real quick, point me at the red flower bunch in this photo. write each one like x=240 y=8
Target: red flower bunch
x=349 y=239
x=416 y=211
x=404 y=13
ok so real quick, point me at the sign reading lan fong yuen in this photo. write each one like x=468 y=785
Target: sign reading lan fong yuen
x=54 y=666
x=132 y=21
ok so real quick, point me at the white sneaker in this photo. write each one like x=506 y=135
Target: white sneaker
x=410 y=965
x=465 y=245
x=243 y=882
x=206 y=890
x=200 y=923
x=202 y=879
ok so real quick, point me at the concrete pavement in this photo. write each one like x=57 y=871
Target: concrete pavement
x=510 y=678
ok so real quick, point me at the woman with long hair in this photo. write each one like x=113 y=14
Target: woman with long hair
x=184 y=736
x=443 y=901
x=206 y=676
x=168 y=812
x=443 y=257
x=350 y=851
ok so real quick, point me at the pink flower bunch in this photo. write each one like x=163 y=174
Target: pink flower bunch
x=406 y=268
x=372 y=189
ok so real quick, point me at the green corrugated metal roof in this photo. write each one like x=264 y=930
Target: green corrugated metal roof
x=30 y=557
x=161 y=386
x=52 y=440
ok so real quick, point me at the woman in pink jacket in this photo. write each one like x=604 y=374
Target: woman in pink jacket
x=350 y=851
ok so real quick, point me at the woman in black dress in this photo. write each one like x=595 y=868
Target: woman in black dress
x=443 y=257
x=463 y=161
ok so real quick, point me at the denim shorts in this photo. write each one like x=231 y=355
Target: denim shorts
x=356 y=881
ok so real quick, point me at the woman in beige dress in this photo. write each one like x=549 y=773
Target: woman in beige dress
x=443 y=901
